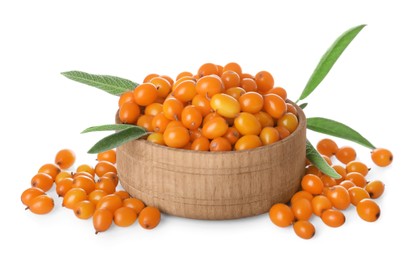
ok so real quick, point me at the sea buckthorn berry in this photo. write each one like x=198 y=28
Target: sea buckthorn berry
x=302 y=209
x=327 y=147
x=225 y=105
x=178 y=82
x=328 y=181
x=279 y=91
x=112 y=176
x=357 y=178
x=175 y=124
x=29 y=194
x=281 y=215
x=110 y=202
x=149 y=217
x=210 y=116
x=347 y=184
x=156 y=138
x=291 y=109
x=50 y=169
x=341 y=171
x=304 y=229
x=41 y=204
x=200 y=144
x=172 y=108
x=368 y=210
x=109 y=155
x=375 y=189
x=327 y=159
x=269 y=135
x=333 y=217
x=84 y=209
x=302 y=194
x=236 y=92
x=63 y=186
x=163 y=86
x=135 y=204
x=247 y=76
x=149 y=77
x=207 y=69
x=86 y=174
x=202 y=104
x=105 y=184
x=216 y=127
x=104 y=167
x=159 y=123
x=357 y=194
x=176 y=137
x=247 y=142
x=311 y=169
x=84 y=183
x=320 y=203
x=129 y=113
x=346 y=154
x=230 y=79
x=96 y=196
x=265 y=119
x=220 y=144
x=194 y=134
x=274 y=105
x=126 y=97
x=283 y=132
x=248 y=84
x=168 y=78
x=43 y=181
x=251 y=102
x=289 y=121
x=104 y=156
x=191 y=117
x=122 y=194
x=153 y=109
x=124 y=216
x=382 y=157
x=232 y=134
x=210 y=85
x=233 y=66
x=312 y=183
x=356 y=166
x=145 y=94
x=65 y=158
x=185 y=91
x=339 y=197
x=73 y=196
x=247 y=124
x=183 y=74
x=145 y=121
x=102 y=220
x=220 y=70
x=264 y=81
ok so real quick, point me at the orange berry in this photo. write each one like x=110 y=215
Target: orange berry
x=163 y=86
x=50 y=169
x=153 y=109
x=156 y=138
x=207 y=69
x=248 y=84
x=247 y=142
x=41 y=204
x=357 y=178
x=63 y=186
x=283 y=132
x=251 y=102
x=320 y=203
x=145 y=94
x=109 y=156
x=357 y=194
x=220 y=70
x=201 y=143
x=106 y=156
x=176 y=137
x=216 y=127
x=312 y=183
x=149 y=217
x=102 y=220
x=356 y=166
x=339 y=197
x=160 y=123
x=247 y=124
x=327 y=147
x=112 y=176
x=183 y=74
x=281 y=215
x=233 y=66
x=135 y=204
x=84 y=183
x=126 y=97
x=209 y=85
x=289 y=121
x=202 y=104
x=122 y=194
x=274 y=105
x=172 y=108
x=65 y=158
x=195 y=133
x=29 y=194
x=304 y=229
x=105 y=184
x=328 y=181
x=347 y=184
x=185 y=91
x=43 y=181
x=149 y=77
x=279 y=91
x=382 y=157
x=124 y=216
x=220 y=144
x=110 y=202
x=104 y=167
x=84 y=209
x=346 y=154
x=264 y=81
x=302 y=194
x=311 y=169
x=333 y=217
x=368 y=210
x=230 y=79
x=269 y=135
x=129 y=113
x=145 y=121
x=168 y=78
x=341 y=171
x=291 y=109
x=96 y=196
x=225 y=105
x=191 y=117
x=73 y=196
x=232 y=134
x=302 y=209
x=375 y=189
x=265 y=119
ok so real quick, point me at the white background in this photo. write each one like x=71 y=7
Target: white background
x=369 y=89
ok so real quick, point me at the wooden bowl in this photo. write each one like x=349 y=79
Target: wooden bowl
x=214 y=185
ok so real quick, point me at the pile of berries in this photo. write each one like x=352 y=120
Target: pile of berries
x=217 y=109
x=88 y=192
x=327 y=197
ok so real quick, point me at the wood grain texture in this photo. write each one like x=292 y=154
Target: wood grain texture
x=214 y=185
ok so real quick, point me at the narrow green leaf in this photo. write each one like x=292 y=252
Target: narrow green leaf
x=111 y=127
x=315 y=158
x=117 y=139
x=110 y=84
x=303 y=105
x=329 y=59
x=334 y=128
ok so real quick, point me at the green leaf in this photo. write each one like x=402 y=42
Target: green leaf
x=117 y=139
x=334 y=128
x=110 y=84
x=111 y=127
x=329 y=59
x=303 y=105
x=315 y=158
